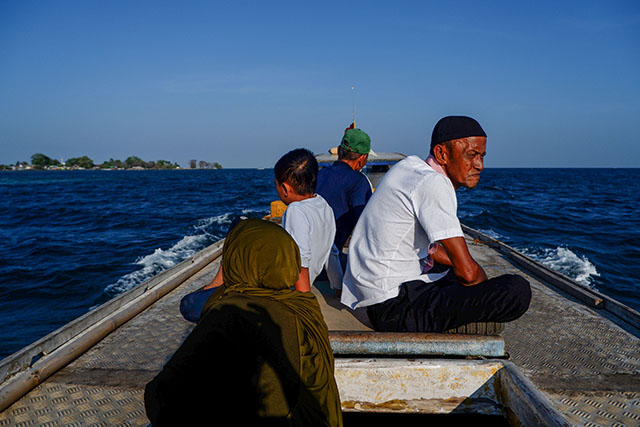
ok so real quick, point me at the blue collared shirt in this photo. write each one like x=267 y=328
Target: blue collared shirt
x=347 y=192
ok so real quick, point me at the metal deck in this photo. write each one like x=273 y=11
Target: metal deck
x=583 y=358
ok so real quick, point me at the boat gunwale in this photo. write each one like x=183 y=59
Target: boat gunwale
x=554 y=278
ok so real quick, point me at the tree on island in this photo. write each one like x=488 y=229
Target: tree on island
x=204 y=165
x=112 y=164
x=41 y=161
x=83 y=162
x=134 y=161
x=165 y=164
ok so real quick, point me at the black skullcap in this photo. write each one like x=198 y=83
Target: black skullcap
x=455 y=127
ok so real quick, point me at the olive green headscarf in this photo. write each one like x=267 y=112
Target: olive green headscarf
x=258 y=253
x=260 y=264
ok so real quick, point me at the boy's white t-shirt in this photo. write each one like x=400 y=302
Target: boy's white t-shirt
x=412 y=207
x=311 y=224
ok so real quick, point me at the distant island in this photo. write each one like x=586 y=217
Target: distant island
x=41 y=161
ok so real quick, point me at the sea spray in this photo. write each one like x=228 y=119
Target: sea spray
x=493 y=234
x=565 y=261
x=206 y=231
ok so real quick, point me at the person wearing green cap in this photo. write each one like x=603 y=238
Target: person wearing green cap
x=347 y=190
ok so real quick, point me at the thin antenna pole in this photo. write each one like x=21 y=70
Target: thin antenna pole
x=353 y=104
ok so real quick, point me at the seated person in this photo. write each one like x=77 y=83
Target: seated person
x=347 y=191
x=308 y=218
x=261 y=353
x=409 y=224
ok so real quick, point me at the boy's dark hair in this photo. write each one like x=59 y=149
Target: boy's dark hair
x=299 y=169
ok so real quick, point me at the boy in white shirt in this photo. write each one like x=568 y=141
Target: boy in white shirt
x=308 y=218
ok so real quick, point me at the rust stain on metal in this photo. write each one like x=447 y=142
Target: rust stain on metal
x=424 y=406
x=501 y=392
x=394 y=405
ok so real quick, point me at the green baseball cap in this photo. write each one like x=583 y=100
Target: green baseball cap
x=356 y=141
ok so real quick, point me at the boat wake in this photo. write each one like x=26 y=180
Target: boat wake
x=205 y=232
x=494 y=235
x=564 y=261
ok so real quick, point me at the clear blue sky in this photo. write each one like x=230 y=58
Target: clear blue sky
x=554 y=83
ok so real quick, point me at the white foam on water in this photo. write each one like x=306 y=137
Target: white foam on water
x=489 y=232
x=203 y=224
x=163 y=259
x=565 y=261
x=470 y=211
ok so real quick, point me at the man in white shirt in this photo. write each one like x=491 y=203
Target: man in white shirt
x=410 y=224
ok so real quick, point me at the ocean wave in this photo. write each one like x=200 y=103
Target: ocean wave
x=565 y=261
x=470 y=212
x=205 y=231
x=248 y=211
x=204 y=224
x=157 y=262
x=494 y=235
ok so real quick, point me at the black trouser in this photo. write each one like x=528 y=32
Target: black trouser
x=445 y=304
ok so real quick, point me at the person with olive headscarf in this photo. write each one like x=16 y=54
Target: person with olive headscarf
x=261 y=353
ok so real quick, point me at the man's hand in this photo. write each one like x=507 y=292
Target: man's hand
x=440 y=255
x=303 y=284
x=217 y=281
x=466 y=269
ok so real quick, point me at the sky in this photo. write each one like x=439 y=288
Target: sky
x=553 y=83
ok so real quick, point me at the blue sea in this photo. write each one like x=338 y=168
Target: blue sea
x=71 y=240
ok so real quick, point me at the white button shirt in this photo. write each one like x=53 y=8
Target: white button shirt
x=412 y=207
